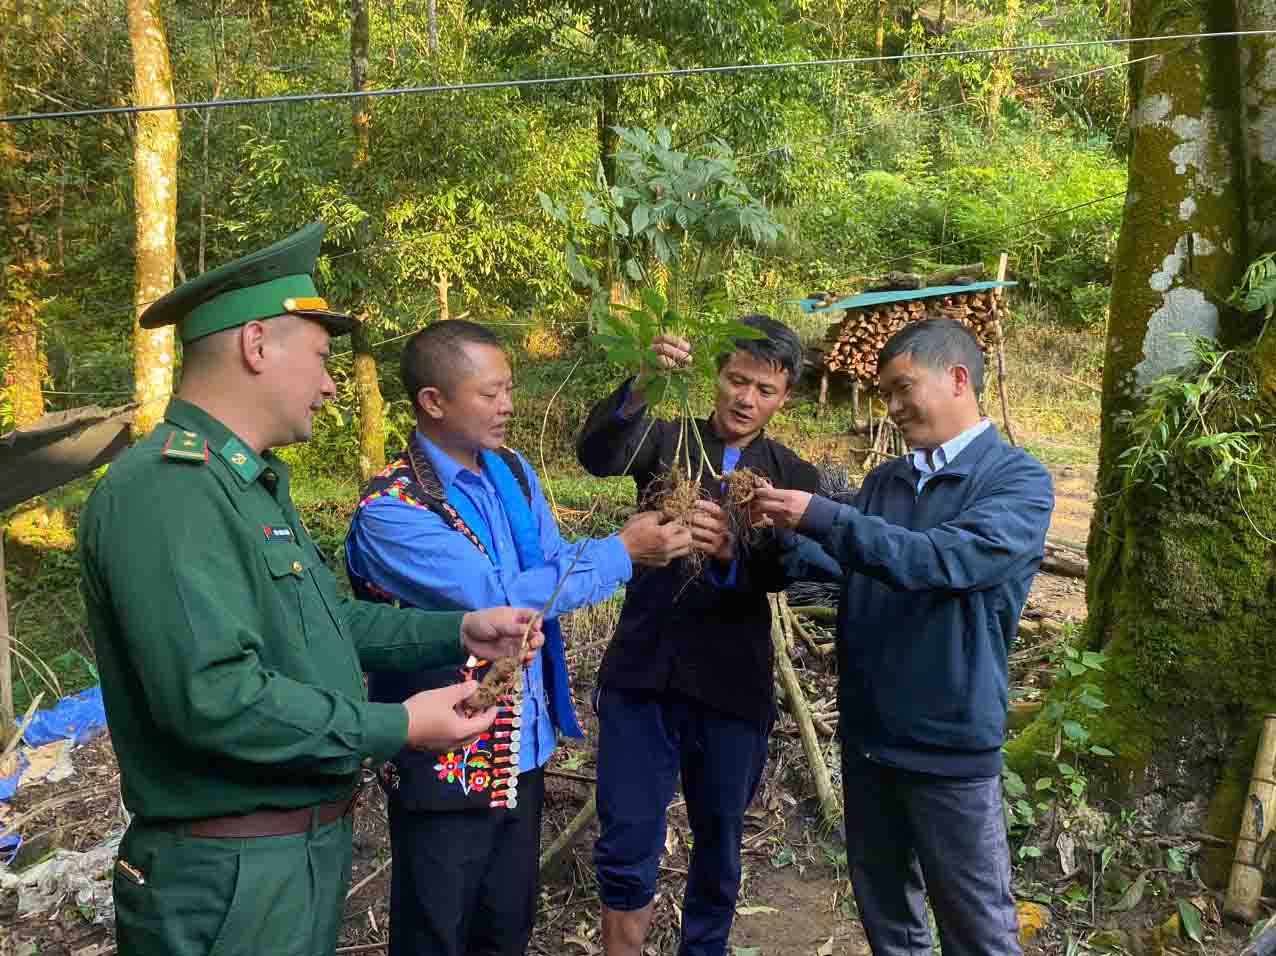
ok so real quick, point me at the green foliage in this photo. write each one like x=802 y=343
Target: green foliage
x=666 y=205
x=1201 y=418
x=759 y=186
x=1257 y=289
x=628 y=332
x=1071 y=716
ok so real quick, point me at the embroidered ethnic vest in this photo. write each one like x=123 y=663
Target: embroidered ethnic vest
x=483 y=775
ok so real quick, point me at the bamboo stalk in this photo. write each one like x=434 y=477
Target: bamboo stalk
x=1001 y=352
x=816 y=613
x=6 y=671
x=829 y=809
x=1252 y=843
x=574 y=829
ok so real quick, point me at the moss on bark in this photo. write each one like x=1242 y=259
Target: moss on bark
x=1182 y=586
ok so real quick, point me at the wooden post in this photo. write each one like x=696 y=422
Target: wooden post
x=6 y=674
x=1252 y=843
x=1001 y=351
x=855 y=403
x=824 y=389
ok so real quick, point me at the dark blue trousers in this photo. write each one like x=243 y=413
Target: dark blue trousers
x=911 y=834
x=646 y=741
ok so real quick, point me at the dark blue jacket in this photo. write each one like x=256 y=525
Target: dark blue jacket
x=934 y=588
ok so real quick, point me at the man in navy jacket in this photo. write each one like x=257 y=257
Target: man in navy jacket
x=939 y=548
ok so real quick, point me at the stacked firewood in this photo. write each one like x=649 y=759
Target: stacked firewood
x=852 y=346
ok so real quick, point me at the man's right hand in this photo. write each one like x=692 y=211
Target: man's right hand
x=436 y=723
x=668 y=351
x=651 y=538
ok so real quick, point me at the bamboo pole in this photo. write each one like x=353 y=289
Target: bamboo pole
x=801 y=711
x=1252 y=843
x=6 y=673
x=1001 y=350
x=565 y=839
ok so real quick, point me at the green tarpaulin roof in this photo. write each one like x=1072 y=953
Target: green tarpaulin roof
x=865 y=299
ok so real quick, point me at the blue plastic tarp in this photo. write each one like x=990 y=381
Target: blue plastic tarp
x=80 y=717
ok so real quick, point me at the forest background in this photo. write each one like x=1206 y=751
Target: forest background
x=474 y=204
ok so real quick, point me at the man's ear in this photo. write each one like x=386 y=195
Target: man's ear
x=961 y=380
x=252 y=345
x=428 y=400
x=788 y=390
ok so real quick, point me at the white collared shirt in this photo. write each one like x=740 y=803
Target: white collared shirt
x=944 y=454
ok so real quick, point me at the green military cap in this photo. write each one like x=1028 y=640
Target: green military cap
x=274 y=281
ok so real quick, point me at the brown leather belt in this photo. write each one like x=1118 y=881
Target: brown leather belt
x=261 y=823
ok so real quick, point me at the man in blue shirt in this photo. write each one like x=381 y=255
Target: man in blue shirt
x=460 y=521
x=939 y=548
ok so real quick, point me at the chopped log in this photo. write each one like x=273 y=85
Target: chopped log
x=830 y=812
x=1064 y=563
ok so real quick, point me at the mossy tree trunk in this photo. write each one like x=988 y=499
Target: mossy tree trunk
x=155 y=210
x=1182 y=586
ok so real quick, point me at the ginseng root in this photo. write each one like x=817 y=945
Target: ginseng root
x=742 y=486
x=496 y=683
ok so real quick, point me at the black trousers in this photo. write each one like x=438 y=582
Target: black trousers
x=909 y=835
x=464 y=883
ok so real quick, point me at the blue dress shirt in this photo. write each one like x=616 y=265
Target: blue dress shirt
x=944 y=454
x=413 y=554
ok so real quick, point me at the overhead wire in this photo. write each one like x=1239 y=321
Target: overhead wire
x=528 y=82
x=934 y=111
x=894 y=118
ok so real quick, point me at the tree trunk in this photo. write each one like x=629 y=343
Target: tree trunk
x=1002 y=76
x=155 y=210
x=1181 y=581
x=367 y=384
x=24 y=378
x=441 y=289
x=432 y=12
x=943 y=10
x=608 y=146
x=879 y=36
x=371 y=406
x=359 y=79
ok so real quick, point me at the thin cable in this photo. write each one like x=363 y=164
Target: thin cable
x=916 y=114
x=984 y=235
x=896 y=118
x=613 y=77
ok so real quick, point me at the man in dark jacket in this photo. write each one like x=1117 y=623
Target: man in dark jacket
x=940 y=547
x=685 y=687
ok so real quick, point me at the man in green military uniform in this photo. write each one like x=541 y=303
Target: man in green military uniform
x=231 y=670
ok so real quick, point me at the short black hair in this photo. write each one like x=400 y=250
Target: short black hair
x=435 y=358
x=937 y=344
x=781 y=348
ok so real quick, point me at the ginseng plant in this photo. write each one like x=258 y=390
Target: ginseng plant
x=670 y=217
x=626 y=335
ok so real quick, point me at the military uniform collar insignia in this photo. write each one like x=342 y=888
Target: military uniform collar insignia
x=243 y=461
